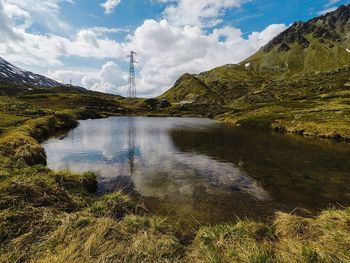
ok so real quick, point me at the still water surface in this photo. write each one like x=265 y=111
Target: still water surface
x=204 y=170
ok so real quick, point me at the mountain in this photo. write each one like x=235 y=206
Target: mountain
x=12 y=74
x=196 y=90
x=319 y=44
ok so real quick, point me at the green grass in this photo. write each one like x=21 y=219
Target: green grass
x=288 y=238
x=324 y=116
x=196 y=91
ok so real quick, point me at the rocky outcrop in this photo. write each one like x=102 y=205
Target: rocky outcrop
x=328 y=27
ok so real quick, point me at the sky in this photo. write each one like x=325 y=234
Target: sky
x=87 y=41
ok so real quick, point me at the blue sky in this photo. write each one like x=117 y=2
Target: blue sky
x=252 y=16
x=87 y=41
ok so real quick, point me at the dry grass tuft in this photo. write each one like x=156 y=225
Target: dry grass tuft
x=290 y=238
x=20 y=147
x=325 y=238
x=245 y=241
x=132 y=239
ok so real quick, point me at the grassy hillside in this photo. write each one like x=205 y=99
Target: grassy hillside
x=313 y=104
x=195 y=91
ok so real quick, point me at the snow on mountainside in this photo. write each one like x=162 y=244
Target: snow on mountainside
x=11 y=73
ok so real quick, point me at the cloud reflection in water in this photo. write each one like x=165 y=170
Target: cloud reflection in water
x=142 y=149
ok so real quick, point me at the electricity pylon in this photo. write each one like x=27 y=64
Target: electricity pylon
x=132 y=78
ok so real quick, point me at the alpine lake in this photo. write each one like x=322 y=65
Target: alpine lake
x=204 y=171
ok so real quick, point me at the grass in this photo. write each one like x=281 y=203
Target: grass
x=22 y=143
x=48 y=216
x=289 y=238
x=132 y=239
x=322 y=116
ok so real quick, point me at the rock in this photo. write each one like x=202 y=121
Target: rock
x=156 y=103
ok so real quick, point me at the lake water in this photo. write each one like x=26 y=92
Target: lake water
x=203 y=170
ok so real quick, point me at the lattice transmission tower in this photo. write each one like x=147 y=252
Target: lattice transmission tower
x=132 y=78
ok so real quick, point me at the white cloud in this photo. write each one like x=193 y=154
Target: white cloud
x=7 y=30
x=325 y=11
x=259 y=39
x=34 y=47
x=198 y=13
x=331 y=2
x=41 y=12
x=110 y=5
x=329 y=7
x=110 y=78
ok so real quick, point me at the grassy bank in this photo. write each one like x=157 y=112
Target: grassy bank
x=322 y=116
x=48 y=216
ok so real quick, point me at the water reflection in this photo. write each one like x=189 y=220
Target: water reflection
x=131 y=145
x=297 y=172
x=200 y=168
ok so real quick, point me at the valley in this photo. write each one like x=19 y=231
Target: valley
x=267 y=182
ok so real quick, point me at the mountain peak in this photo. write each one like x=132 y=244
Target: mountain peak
x=330 y=26
x=11 y=73
x=322 y=43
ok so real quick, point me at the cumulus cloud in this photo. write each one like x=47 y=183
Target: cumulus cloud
x=110 y=78
x=198 y=13
x=110 y=5
x=34 y=47
x=44 y=13
x=7 y=29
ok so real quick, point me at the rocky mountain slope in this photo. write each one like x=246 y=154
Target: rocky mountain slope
x=319 y=44
x=13 y=74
